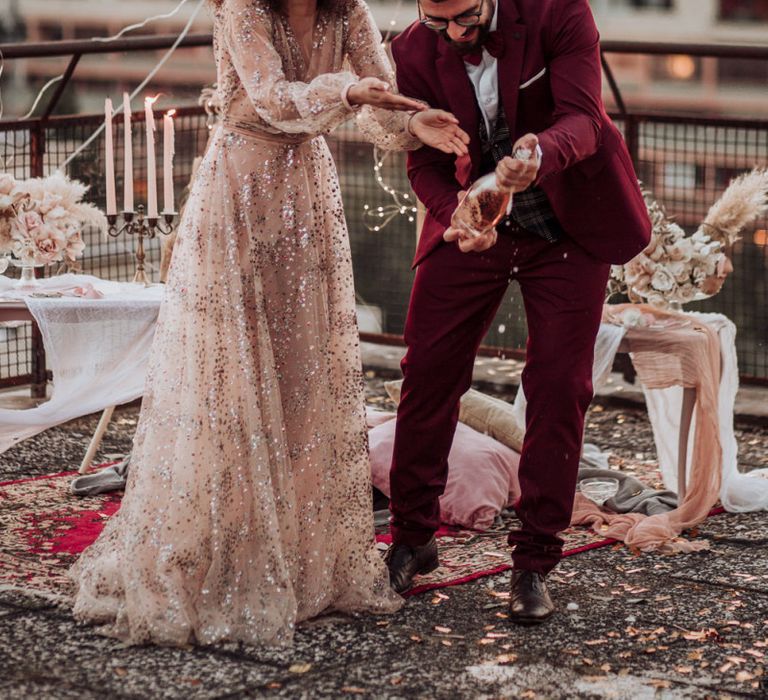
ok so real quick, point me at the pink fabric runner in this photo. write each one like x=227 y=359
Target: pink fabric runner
x=685 y=352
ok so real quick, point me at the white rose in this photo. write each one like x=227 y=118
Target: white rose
x=75 y=246
x=48 y=244
x=679 y=270
x=700 y=237
x=662 y=280
x=7 y=183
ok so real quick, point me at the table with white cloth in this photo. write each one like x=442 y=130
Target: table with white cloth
x=667 y=409
x=96 y=348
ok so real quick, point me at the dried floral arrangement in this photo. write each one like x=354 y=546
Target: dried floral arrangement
x=675 y=268
x=41 y=219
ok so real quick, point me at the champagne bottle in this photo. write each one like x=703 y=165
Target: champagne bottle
x=485 y=203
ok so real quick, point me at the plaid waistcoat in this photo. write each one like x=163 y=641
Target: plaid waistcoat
x=530 y=209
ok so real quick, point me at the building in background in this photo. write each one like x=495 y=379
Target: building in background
x=675 y=82
x=680 y=82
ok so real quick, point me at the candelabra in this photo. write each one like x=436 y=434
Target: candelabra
x=136 y=224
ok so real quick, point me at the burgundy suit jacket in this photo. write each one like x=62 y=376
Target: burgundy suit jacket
x=586 y=170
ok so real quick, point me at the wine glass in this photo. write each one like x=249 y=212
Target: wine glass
x=599 y=489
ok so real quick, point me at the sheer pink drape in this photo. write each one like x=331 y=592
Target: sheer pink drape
x=682 y=352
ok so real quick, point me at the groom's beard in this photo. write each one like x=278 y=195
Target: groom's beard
x=483 y=30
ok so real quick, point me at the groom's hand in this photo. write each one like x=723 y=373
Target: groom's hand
x=470 y=244
x=519 y=174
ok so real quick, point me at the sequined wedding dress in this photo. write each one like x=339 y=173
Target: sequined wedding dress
x=248 y=505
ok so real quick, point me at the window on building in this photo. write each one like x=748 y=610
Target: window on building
x=742 y=71
x=676 y=68
x=744 y=10
x=683 y=176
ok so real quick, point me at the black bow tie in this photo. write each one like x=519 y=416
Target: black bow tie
x=493 y=44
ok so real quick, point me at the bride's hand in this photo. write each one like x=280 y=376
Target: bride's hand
x=377 y=93
x=441 y=130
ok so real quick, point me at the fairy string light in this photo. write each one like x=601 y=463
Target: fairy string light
x=376 y=218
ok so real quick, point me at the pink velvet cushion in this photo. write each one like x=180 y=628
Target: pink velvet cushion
x=482 y=475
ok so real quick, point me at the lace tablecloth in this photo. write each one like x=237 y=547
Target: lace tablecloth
x=96 y=348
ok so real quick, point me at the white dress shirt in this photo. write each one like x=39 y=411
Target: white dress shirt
x=485 y=80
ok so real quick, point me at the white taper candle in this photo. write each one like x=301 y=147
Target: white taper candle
x=128 y=153
x=169 y=150
x=151 y=164
x=109 y=157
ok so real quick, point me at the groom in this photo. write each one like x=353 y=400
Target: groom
x=515 y=73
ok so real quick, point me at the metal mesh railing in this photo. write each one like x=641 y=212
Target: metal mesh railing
x=685 y=163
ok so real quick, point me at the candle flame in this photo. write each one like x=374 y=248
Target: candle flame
x=170 y=113
x=152 y=100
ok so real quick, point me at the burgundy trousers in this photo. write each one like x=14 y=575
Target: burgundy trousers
x=454 y=299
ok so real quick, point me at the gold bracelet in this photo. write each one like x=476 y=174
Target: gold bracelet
x=408 y=125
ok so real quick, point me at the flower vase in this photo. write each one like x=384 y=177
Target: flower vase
x=27 y=280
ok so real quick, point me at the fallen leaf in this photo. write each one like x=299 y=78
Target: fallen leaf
x=442 y=630
x=299 y=668
x=506 y=658
x=120 y=671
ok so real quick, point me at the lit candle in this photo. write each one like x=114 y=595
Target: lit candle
x=110 y=159
x=169 y=151
x=151 y=165
x=128 y=148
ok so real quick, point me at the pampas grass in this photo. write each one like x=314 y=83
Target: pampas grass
x=745 y=199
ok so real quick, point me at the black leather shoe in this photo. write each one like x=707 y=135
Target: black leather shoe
x=405 y=562
x=529 y=601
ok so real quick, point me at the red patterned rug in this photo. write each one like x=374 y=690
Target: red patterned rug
x=43 y=528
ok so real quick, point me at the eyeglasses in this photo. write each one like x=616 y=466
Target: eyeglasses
x=440 y=24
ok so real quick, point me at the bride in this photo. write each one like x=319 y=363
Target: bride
x=248 y=504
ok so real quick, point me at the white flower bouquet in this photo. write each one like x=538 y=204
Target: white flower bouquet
x=41 y=219
x=675 y=268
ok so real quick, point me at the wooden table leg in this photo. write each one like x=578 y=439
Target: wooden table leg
x=686 y=416
x=101 y=428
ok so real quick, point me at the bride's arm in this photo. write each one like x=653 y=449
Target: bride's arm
x=292 y=107
x=368 y=58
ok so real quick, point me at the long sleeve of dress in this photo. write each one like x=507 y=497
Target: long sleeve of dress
x=291 y=107
x=368 y=58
